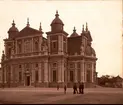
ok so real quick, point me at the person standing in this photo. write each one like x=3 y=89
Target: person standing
x=65 y=88
x=75 y=89
x=82 y=88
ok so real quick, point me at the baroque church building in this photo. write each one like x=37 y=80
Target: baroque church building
x=29 y=59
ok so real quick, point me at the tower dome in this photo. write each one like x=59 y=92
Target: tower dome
x=13 y=30
x=57 y=24
x=74 y=34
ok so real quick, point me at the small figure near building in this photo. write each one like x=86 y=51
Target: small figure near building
x=82 y=88
x=75 y=89
x=65 y=88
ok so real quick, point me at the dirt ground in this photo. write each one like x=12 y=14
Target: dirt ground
x=52 y=96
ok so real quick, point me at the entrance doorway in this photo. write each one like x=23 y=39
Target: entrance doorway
x=27 y=80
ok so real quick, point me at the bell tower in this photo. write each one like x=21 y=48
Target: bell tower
x=57 y=44
x=57 y=37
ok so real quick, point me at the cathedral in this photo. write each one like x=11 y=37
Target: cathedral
x=30 y=59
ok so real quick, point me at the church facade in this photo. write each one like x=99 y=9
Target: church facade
x=29 y=59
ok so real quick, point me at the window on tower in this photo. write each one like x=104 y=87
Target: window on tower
x=54 y=45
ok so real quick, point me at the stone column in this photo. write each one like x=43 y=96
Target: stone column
x=62 y=44
x=22 y=45
x=48 y=37
x=75 y=72
x=92 y=72
x=46 y=71
x=33 y=73
x=59 y=44
x=5 y=50
x=40 y=72
x=40 y=41
x=23 y=73
x=5 y=74
x=16 y=47
x=62 y=70
x=32 y=45
x=82 y=71
x=68 y=73
x=49 y=69
x=85 y=72
x=59 y=71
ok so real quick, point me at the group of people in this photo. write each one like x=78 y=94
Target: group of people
x=75 y=90
x=81 y=88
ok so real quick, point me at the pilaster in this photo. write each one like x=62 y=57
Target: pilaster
x=92 y=72
x=16 y=47
x=82 y=71
x=33 y=73
x=75 y=73
x=46 y=71
x=62 y=71
x=49 y=69
x=85 y=72
x=59 y=71
x=40 y=72
x=59 y=44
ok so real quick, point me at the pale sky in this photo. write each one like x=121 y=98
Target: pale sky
x=104 y=20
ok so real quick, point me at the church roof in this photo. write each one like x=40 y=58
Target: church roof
x=74 y=44
x=27 y=31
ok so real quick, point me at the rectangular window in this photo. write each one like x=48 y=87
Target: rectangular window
x=71 y=76
x=20 y=76
x=36 y=76
x=54 y=76
x=54 y=44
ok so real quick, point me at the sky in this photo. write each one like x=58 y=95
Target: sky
x=104 y=18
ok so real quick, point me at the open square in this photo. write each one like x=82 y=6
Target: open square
x=54 y=96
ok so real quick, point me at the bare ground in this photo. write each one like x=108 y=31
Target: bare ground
x=52 y=96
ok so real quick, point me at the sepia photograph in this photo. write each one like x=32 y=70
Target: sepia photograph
x=61 y=52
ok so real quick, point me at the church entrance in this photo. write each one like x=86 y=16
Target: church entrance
x=27 y=80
